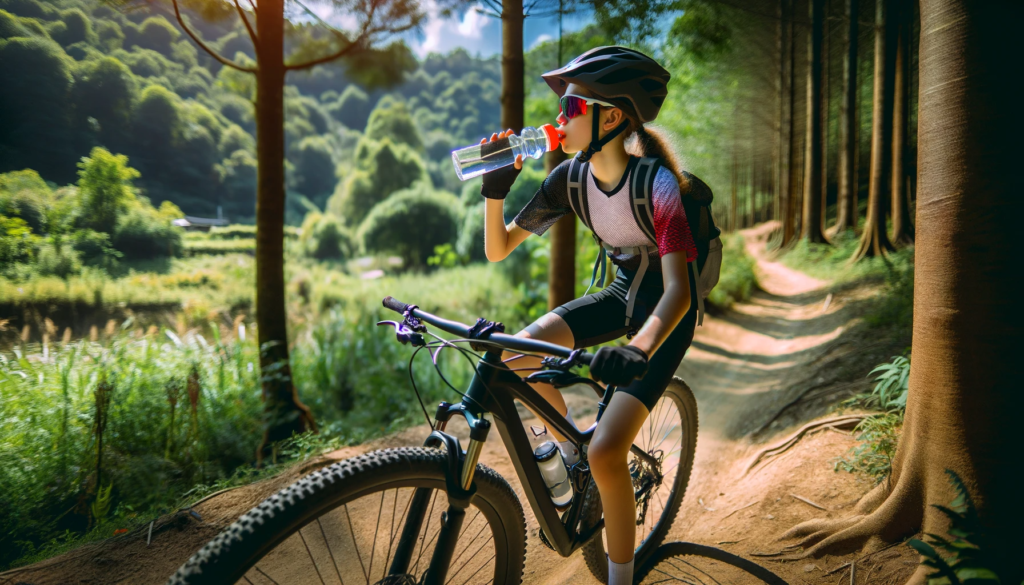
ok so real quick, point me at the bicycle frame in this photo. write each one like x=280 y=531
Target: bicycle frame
x=494 y=390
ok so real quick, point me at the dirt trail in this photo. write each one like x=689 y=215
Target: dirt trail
x=778 y=360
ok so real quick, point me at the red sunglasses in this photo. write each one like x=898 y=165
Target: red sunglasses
x=573 y=105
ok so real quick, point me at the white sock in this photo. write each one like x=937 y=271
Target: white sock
x=620 y=573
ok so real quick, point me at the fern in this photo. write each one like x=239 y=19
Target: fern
x=101 y=505
x=970 y=560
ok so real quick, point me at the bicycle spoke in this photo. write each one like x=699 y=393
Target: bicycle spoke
x=373 y=546
x=260 y=571
x=465 y=531
x=312 y=560
x=426 y=527
x=401 y=523
x=471 y=556
x=331 y=552
x=478 y=570
x=352 y=533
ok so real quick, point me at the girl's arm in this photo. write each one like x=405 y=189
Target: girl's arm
x=674 y=304
x=500 y=239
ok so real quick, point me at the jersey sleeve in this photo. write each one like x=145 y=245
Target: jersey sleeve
x=670 y=225
x=549 y=204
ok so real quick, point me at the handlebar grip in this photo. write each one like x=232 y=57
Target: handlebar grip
x=586 y=358
x=395 y=304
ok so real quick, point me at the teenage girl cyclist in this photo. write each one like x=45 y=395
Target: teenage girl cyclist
x=606 y=95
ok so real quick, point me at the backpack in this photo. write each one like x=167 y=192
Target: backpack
x=696 y=203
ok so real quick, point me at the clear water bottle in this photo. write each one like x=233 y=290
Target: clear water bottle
x=556 y=477
x=478 y=159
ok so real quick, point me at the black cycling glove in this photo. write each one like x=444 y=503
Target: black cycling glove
x=498 y=182
x=618 y=366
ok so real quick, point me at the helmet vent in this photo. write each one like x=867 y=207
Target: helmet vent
x=651 y=85
x=657 y=101
x=622 y=75
x=593 y=67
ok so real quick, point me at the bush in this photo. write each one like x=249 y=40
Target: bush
x=157 y=34
x=325 y=238
x=57 y=260
x=392 y=120
x=313 y=173
x=351 y=109
x=104 y=188
x=411 y=223
x=10 y=27
x=77 y=28
x=24 y=194
x=737 y=279
x=143 y=233
x=382 y=169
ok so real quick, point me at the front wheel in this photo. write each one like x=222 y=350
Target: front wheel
x=670 y=436
x=351 y=523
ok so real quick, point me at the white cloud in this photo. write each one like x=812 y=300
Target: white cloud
x=442 y=35
x=473 y=23
x=542 y=38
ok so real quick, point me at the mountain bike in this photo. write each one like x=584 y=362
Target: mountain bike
x=433 y=514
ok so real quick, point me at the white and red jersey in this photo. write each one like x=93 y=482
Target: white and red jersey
x=611 y=214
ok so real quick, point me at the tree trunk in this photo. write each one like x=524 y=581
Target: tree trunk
x=512 y=65
x=789 y=222
x=964 y=403
x=780 y=159
x=902 y=230
x=813 y=210
x=562 y=267
x=846 y=209
x=283 y=413
x=734 y=199
x=875 y=240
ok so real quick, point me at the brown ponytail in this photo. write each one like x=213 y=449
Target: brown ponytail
x=653 y=142
x=642 y=141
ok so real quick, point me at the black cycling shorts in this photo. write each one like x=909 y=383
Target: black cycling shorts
x=601 y=317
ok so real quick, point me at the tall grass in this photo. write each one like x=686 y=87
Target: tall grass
x=98 y=435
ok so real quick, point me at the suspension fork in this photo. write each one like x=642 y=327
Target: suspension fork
x=460 y=488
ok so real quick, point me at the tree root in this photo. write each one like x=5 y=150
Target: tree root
x=848 y=421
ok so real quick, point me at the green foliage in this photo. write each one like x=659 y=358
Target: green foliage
x=324 y=237
x=105 y=189
x=30 y=8
x=143 y=233
x=34 y=106
x=880 y=432
x=391 y=120
x=157 y=34
x=24 y=194
x=351 y=109
x=703 y=30
x=737 y=279
x=971 y=560
x=10 y=27
x=109 y=35
x=104 y=93
x=16 y=240
x=313 y=172
x=445 y=256
x=470 y=244
x=57 y=259
x=411 y=223
x=382 y=168
x=77 y=28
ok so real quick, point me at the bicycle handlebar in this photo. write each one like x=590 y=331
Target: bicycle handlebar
x=502 y=339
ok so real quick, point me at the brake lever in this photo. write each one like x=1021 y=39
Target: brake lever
x=405 y=334
x=566 y=364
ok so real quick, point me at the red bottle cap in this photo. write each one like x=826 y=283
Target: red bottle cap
x=554 y=137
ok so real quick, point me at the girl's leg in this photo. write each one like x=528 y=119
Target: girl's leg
x=553 y=329
x=607 y=455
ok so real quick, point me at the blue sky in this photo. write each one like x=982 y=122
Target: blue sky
x=477 y=33
x=481 y=35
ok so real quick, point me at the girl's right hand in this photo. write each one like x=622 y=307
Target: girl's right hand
x=498 y=136
x=498 y=182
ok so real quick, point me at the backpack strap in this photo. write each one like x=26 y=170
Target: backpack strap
x=577 y=187
x=641 y=189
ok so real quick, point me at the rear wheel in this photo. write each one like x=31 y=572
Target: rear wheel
x=670 y=436
x=346 y=523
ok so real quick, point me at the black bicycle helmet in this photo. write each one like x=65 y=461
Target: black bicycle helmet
x=617 y=74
